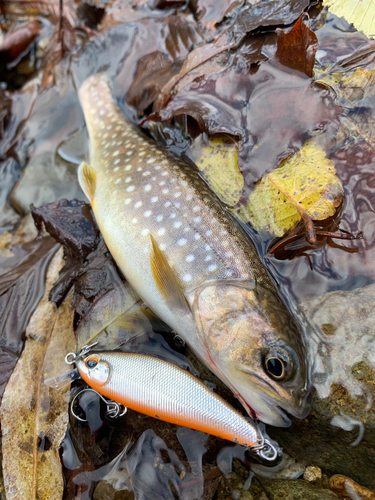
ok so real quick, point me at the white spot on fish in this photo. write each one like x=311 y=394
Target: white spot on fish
x=176 y=195
x=161 y=183
x=145 y=232
x=127 y=180
x=147 y=213
x=161 y=231
x=134 y=221
x=128 y=167
x=189 y=258
x=177 y=224
x=165 y=191
x=148 y=187
x=212 y=267
x=197 y=219
x=208 y=258
x=154 y=199
x=208 y=248
x=109 y=127
x=172 y=216
x=159 y=218
x=208 y=233
x=127 y=201
x=196 y=208
x=197 y=236
x=142 y=153
x=116 y=162
x=146 y=173
x=187 y=277
x=129 y=152
x=163 y=246
x=130 y=188
x=101 y=112
x=168 y=204
x=151 y=160
x=118 y=180
x=182 y=241
x=139 y=169
x=138 y=204
x=116 y=169
x=116 y=153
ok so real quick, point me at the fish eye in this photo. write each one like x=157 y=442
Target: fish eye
x=91 y=362
x=278 y=363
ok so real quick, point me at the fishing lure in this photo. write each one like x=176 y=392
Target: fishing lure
x=165 y=391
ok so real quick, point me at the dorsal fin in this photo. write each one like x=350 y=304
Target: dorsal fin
x=87 y=180
x=166 y=281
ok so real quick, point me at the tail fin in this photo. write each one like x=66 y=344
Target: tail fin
x=104 y=53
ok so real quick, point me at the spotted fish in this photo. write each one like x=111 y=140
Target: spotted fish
x=191 y=262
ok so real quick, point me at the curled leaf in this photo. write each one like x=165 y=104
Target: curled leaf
x=303 y=186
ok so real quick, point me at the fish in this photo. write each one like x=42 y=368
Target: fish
x=165 y=391
x=191 y=262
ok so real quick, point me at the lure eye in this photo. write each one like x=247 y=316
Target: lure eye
x=91 y=362
x=278 y=363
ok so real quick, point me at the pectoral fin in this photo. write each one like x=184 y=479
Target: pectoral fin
x=166 y=281
x=87 y=180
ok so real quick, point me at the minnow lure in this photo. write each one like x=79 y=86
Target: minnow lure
x=191 y=262
x=165 y=391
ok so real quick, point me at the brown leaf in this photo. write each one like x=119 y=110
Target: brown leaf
x=21 y=289
x=71 y=223
x=17 y=42
x=35 y=417
x=297 y=48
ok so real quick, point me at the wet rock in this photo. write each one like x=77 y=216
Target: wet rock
x=312 y=474
x=348 y=489
x=339 y=434
x=297 y=489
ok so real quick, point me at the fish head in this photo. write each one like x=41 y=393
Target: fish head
x=253 y=345
x=94 y=370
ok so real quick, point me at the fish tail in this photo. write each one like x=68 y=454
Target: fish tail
x=105 y=53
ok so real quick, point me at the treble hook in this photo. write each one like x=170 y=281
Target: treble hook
x=114 y=409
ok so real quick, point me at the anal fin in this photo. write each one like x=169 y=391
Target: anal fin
x=166 y=281
x=87 y=180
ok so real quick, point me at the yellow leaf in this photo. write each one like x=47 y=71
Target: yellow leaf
x=361 y=13
x=303 y=185
x=217 y=160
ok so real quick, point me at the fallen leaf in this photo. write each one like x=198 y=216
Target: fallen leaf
x=304 y=185
x=16 y=43
x=297 y=49
x=115 y=317
x=21 y=289
x=216 y=158
x=35 y=417
x=357 y=12
x=71 y=223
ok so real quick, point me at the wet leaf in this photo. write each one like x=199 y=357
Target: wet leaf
x=21 y=289
x=71 y=223
x=304 y=185
x=297 y=49
x=217 y=160
x=16 y=43
x=114 y=318
x=35 y=417
x=358 y=12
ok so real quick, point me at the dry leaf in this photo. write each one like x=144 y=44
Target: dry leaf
x=35 y=417
x=217 y=160
x=303 y=185
x=357 y=12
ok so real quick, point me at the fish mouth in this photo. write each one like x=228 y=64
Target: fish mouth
x=275 y=408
